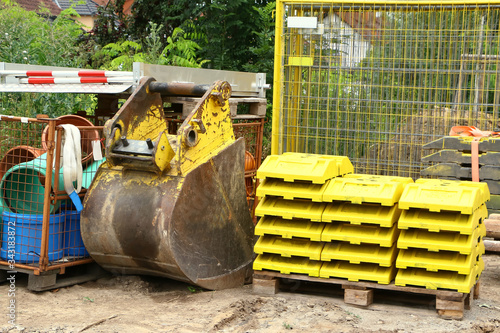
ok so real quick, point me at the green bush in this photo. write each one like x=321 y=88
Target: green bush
x=29 y=38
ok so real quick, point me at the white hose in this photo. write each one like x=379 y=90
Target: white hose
x=72 y=163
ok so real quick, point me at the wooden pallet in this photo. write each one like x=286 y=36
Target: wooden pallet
x=57 y=278
x=492 y=223
x=449 y=304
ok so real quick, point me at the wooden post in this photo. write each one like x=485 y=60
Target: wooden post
x=266 y=286
x=492 y=226
x=358 y=296
x=450 y=307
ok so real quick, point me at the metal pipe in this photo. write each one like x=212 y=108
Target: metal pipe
x=44 y=251
x=176 y=89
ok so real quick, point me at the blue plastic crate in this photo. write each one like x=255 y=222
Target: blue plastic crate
x=28 y=237
x=73 y=243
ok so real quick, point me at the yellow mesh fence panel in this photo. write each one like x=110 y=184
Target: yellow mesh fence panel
x=374 y=81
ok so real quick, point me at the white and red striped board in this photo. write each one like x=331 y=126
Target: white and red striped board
x=82 y=73
x=64 y=80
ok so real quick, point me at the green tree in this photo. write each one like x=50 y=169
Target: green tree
x=222 y=28
x=169 y=14
x=180 y=50
x=229 y=26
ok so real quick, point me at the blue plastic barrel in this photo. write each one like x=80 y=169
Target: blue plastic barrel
x=73 y=243
x=28 y=237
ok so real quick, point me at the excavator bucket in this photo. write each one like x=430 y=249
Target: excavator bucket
x=171 y=205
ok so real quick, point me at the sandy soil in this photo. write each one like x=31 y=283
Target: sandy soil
x=146 y=304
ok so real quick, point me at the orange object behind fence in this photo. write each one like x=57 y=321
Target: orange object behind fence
x=477 y=134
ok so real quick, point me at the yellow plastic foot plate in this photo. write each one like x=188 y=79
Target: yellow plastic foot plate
x=437 y=197
x=483 y=187
x=442 y=221
x=274 y=262
x=272 y=225
x=360 y=234
x=357 y=272
x=441 y=241
x=384 y=216
x=310 y=167
x=289 y=247
x=356 y=254
x=290 y=209
x=290 y=191
x=358 y=188
x=442 y=279
x=438 y=261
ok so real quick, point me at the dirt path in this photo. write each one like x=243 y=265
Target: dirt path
x=145 y=304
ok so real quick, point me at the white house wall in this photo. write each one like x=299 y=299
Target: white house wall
x=353 y=46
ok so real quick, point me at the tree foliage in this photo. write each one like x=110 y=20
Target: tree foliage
x=219 y=34
x=27 y=38
x=225 y=31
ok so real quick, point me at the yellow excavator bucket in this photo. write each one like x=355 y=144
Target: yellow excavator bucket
x=171 y=205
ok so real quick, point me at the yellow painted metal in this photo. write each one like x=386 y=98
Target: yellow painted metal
x=272 y=225
x=206 y=131
x=309 y=167
x=360 y=234
x=274 y=262
x=358 y=189
x=384 y=216
x=213 y=141
x=163 y=160
x=356 y=254
x=290 y=191
x=300 y=61
x=438 y=261
x=442 y=221
x=390 y=2
x=290 y=209
x=441 y=241
x=442 y=279
x=483 y=187
x=289 y=247
x=437 y=198
x=279 y=51
x=357 y=272
x=141 y=130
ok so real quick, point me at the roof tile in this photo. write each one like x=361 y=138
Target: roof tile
x=34 y=5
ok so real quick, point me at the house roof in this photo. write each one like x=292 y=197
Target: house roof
x=34 y=5
x=89 y=8
x=127 y=7
x=366 y=24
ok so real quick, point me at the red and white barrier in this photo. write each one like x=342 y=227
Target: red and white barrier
x=83 y=73
x=62 y=80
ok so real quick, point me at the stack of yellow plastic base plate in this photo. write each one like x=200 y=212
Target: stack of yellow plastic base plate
x=441 y=239
x=319 y=219
x=291 y=210
x=360 y=240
